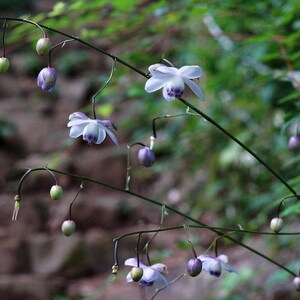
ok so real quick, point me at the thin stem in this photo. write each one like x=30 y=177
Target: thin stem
x=241 y=144
x=80 y=41
x=3 y=36
x=281 y=203
x=62 y=44
x=113 y=69
x=71 y=204
x=188 y=239
x=138 y=250
x=217 y=231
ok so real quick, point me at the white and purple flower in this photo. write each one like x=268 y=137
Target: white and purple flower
x=173 y=80
x=215 y=265
x=151 y=274
x=92 y=130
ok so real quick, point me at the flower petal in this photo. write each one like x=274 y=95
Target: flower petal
x=128 y=277
x=133 y=263
x=194 y=87
x=153 y=84
x=191 y=72
x=171 y=71
x=78 y=115
x=101 y=136
x=76 y=122
x=228 y=268
x=77 y=131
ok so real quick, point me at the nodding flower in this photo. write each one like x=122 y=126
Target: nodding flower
x=151 y=274
x=92 y=130
x=173 y=80
x=47 y=78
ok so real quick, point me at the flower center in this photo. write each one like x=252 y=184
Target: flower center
x=175 y=88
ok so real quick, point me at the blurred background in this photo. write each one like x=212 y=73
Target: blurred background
x=249 y=52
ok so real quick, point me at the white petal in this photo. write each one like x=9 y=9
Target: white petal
x=128 y=277
x=166 y=96
x=194 y=87
x=153 y=84
x=156 y=73
x=76 y=122
x=229 y=268
x=78 y=115
x=101 y=136
x=112 y=136
x=205 y=258
x=133 y=263
x=171 y=71
x=77 y=130
x=191 y=72
x=153 y=275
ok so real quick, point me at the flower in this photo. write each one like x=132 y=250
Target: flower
x=276 y=224
x=47 y=78
x=43 y=46
x=92 y=130
x=294 y=143
x=172 y=80
x=194 y=267
x=214 y=265
x=151 y=274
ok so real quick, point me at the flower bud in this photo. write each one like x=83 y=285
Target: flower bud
x=4 y=64
x=296 y=283
x=146 y=157
x=68 y=227
x=194 y=267
x=56 y=192
x=43 y=46
x=294 y=143
x=276 y=224
x=115 y=269
x=47 y=78
x=136 y=274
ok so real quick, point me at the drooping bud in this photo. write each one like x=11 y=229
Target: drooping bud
x=16 y=207
x=294 y=143
x=115 y=269
x=194 y=267
x=4 y=64
x=136 y=273
x=43 y=46
x=146 y=157
x=276 y=224
x=47 y=78
x=296 y=283
x=68 y=227
x=56 y=192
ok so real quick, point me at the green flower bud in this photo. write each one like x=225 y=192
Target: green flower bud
x=136 y=273
x=115 y=269
x=43 y=46
x=296 y=283
x=4 y=64
x=276 y=224
x=56 y=192
x=194 y=267
x=68 y=227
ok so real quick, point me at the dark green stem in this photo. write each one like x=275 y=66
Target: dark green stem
x=241 y=144
x=80 y=41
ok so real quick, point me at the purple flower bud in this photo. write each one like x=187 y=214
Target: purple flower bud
x=276 y=224
x=194 y=267
x=146 y=157
x=4 y=64
x=43 y=46
x=47 y=78
x=68 y=227
x=294 y=143
x=296 y=283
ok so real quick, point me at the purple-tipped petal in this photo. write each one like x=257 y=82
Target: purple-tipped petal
x=78 y=115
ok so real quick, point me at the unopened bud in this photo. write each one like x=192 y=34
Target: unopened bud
x=115 y=269
x=294 y=143
x=68 y=227
x=136 y=273
x=146 y=157
x=276 y=224
x=43 y=46
x=47 y=78
x=4 y=64
x=56 y=192
x=194 y=267
x=296 y=283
